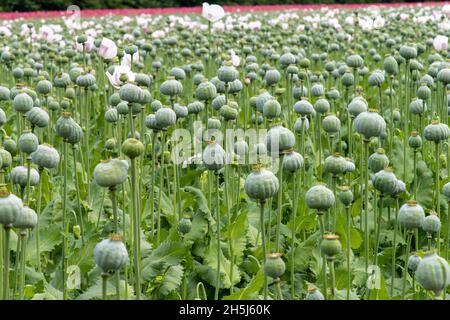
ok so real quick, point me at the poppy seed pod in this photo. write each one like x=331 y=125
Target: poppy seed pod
x=214 y=123
x=185 y=225
x=261 y=184
x=177 y=73
x=171 y=87
x=206 y=91
x=28 y=142
x=335 y=164
x=390 y=65
x=23 y=103
x=272 y=77
x=213 y=156
x=180 y=111
x=19 y=175
x=413 y=262
x=331 y=124
x=10 y=145
x=27 y=219
x=444 y=76
x=348 y=79
x=111 y=173
x=68 y=129
x=330 y=246
x=292 y=161
x=227 y=73
x=271 y=109
x=44 y=87
x=45 y=156
x=354 y=61
x=408 y=52
x=86 y=80
x=279 y=139
x=436 y=131
x=417 y=106
x=156 y=105
x=385 y=181
x=446 y=191
x=378 y=161
x=241 y=148
x=431 y=224
x=424 y=92
x=303 y=107
x=318 y=90
x=111 y=254
x=132 y=148
x=376 y=79
x=274 y=266
x=5 y=158
x=228 y=112
x=314 y=294
x=345 y=195
x=130 y=93
x=195 y=107
x=414 y=140
x=369 y=124
x=38 y=117
x=411 y=215
x=301 y=125
x=261 y=99
x=320 y=198
x=112 y=115
x=357 y=106
x=165 y=117
x=10 y=207
x=218 y=102
x=433 y=273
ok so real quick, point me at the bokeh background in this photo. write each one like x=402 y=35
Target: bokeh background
x=35 y=5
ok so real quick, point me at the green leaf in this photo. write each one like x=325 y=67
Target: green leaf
x=237 y=231
x=251 y=290
x=50 y=293
x=171 y=280
x=167 y=254
x=49 y=238
x=95 y=291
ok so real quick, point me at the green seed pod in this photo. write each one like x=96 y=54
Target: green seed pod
x=195 y=107
x=408 y=52
x=424 y=92
x=165 y=117
x=44 y=87
x=350 y=165
x=22 y=103
x=301 y=125
x=110 y=144
x=241 y=148
x=171 y=87
x=132 y=148
x=345 y=196
x=279 y=139
x=330 y=246
x=150 y=122
x=10 y=146
x=446 y=191
x=335 y=164
x=274 y=266
x=28 y=142
x=376 y=79
x=348 y=79
x=38 y=117
x=123 y=108
x=436 y=131
x=357 y=106
x=45 y=156
x=444 y=76
x=317 y=90
x=130 y=93
x=213 y=123
x=27 y=219
x=185 y=225
x=411 y=215
x=369 y=124
x=433 y=273
x=5 y=94
x=272 y=77
x=10 y=206
x=86 y=80
x=390 y=65
x=413 y=262
x=177 y=73
x=180 y=111
x=271 y=109
x=378 y=161
x=331 y=124
x=227 y=73
x=261 y=184
x=61 y=81
x=431 y=224
x=198 y=78
x=19 y=175
x=213 y=156
x=287 y=59
x=385 y=181
x=320 y=198
x=68 y=129
x=5 y=159
x=218 y=102
x=417 y=106
x=111 y=115
x=414 y=140
x=206 y=91
x=303 y=107
x=314 y=294
x=111 y=173
x=228 y=112
x=111 y=254
x=354 y=61
x=261 y=99
x=292 y=161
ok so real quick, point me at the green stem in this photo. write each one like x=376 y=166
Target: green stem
x=324 y=261
x=160 y=189
x=405 y=270
x=38 y=211
x=116 y=230
x=280 y=203
x=294 y=213
x=216 y=291
x=366 y=205
x=263 y=244
x=6 y=263
x=23 y=234
x=64 y=213
x=377 y=240
x=349 y=276
x=137 y=274
x=104 y=285
x=394 y=245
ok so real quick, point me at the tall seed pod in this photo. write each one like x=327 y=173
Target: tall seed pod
x=433 y=274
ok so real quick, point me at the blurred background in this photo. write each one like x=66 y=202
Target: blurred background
x=34 y=5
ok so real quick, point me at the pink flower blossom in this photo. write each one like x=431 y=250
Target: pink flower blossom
x=107 y=49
